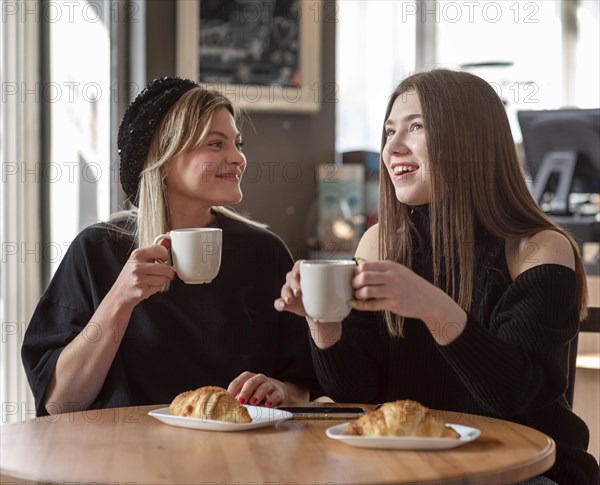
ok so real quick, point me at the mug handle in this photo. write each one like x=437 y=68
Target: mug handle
x=158 y=239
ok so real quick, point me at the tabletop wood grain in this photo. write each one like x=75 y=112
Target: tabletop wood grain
x=125 y=445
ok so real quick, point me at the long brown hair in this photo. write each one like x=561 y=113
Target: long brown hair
x=475 y=175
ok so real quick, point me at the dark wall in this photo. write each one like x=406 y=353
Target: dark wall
x=282 y=150
x=160 y=38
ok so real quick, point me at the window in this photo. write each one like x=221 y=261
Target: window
x=375 y=49
x=77 y=94
x=587 y=55
x=537 y=55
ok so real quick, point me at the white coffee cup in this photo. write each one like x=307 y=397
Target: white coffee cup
x=326 y=288
x=195 y=253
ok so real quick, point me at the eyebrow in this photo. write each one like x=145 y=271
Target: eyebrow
x=409 y=117
x=222 y=135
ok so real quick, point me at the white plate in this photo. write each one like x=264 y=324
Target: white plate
x=261 y=417
x=466 y=433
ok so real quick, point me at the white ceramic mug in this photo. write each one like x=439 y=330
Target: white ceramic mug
x=326 y=288
x=195 y=252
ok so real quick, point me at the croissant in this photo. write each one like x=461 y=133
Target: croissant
x=400 y=418
x=209 y=402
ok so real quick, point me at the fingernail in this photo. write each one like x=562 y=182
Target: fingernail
x=351 y=303
x=287 y=300
x=253 y=400
x=174 y=277
x=358 y=259
x=268 y=404
x=295 y=291
x=242 y=400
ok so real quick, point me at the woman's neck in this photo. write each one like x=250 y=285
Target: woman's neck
x=419 y=214
x=196 y=217
x=421 y=218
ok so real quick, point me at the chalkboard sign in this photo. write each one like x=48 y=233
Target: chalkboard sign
x=254 y=42
x=262 y=54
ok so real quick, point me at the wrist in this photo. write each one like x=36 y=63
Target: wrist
x=445 y=320
x=295 y=393
x=446 y=326
x=116 y=312
x=119 y=303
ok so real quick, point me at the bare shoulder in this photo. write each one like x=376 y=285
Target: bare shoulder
x=368 y=247
x=544 y=247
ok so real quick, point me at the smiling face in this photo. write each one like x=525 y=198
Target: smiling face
x=405 y=151
x=209 y=175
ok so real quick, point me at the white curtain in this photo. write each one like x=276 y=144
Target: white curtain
x=375 y=50
x=20 y=276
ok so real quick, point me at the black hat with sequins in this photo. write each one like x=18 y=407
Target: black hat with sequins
x=138 y=125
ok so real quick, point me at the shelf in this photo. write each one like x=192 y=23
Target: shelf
x=588 y=361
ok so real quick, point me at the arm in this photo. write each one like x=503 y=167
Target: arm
x=385 y=285
x=83 y=364
x=296 y=393
x=355 y=369
x=516 y=363
x=251 y=388
x=292 y=377
x=390 y=286
x=324 y=334
x=511 y=363
x=545 y=247
x=527 y=337
x=350 y=366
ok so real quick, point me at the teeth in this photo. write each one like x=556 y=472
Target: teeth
x=402 y=169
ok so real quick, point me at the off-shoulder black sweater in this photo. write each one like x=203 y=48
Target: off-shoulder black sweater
x=510 y=361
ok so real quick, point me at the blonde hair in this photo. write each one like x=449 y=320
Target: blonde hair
x=183 y=129
x=475 y=175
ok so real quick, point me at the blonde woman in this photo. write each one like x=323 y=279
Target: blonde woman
x=469 y=294
x=117 y=328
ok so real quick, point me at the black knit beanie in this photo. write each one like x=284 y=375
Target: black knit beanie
x=138 y=125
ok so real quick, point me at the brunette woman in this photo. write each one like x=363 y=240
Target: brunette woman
x=469 y=294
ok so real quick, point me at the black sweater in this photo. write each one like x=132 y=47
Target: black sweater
x=510 y=362
x=190 y=336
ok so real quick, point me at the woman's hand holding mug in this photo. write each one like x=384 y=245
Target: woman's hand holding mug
x=196 y=253
x=141 y=276
x=291 y=295
x=320 y=291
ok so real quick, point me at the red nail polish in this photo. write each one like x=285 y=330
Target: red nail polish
x=269 y=404
x=253 y=400
x=242 y=400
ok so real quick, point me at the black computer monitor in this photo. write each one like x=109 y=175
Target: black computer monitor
x=562 y=153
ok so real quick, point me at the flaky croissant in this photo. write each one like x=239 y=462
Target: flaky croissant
x=209 y=402
x=400 y=418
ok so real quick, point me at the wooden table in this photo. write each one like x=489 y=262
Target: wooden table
x=126 y=445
